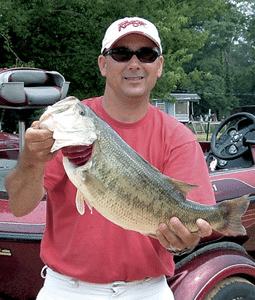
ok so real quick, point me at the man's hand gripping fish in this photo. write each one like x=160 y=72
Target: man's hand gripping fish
x=123 y=186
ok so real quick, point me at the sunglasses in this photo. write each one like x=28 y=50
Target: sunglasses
x=123 y=54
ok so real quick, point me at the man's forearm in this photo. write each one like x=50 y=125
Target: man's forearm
x=25 y=187
x=25 y=183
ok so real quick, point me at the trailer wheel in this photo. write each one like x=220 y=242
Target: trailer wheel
x=232 y=288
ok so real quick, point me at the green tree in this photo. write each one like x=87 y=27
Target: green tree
x=218 y=63
x=66 y=36
x=244 y=58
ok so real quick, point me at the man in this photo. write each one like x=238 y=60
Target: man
x=88 y=257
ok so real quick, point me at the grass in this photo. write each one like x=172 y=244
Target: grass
x=202 y=137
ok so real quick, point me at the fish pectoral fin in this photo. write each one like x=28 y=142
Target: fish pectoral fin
x=182 y=186
x=97 y=184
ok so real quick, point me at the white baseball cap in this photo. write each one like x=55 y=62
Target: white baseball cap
x=123 y=27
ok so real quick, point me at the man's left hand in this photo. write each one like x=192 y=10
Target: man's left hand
x=182 y=238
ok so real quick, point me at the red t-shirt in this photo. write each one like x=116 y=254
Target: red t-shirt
x=91 y=248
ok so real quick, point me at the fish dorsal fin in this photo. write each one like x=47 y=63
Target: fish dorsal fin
x=182 y=186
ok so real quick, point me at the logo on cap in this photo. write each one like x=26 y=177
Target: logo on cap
x=135 y=23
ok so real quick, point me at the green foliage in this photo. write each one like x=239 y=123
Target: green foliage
x=197 y=36
x=66 y=36
x=227 y=58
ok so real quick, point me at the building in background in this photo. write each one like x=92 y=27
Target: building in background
x=181 y=108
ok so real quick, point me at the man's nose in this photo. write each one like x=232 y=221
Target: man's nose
x=134 y=62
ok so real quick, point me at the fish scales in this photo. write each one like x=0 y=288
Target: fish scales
x=123 y=186
x=132 y=206
x=136 y=195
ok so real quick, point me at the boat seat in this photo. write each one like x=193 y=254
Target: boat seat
x=31 y=87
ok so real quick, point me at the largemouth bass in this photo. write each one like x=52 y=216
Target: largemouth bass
x=124 y=187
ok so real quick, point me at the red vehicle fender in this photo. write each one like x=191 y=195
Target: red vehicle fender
x=202 y=270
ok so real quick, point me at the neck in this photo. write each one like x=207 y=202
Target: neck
x=128 y=110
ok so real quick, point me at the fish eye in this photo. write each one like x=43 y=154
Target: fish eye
x=82 y=113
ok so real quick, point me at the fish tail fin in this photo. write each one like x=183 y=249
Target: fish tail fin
x=233 y=212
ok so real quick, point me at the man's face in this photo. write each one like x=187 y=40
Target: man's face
x=132 y=79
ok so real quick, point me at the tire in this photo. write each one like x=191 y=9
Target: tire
x=232 y=288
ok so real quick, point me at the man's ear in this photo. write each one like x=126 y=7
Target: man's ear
x=102 y=65
x=160 y=69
